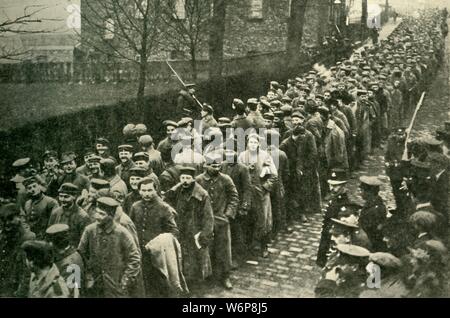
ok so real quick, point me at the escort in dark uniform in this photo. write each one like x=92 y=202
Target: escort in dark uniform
x=338 y=200
x=373 y=214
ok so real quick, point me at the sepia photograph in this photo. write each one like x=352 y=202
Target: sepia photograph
x=236 y=150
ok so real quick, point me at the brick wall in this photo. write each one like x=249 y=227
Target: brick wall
x=261 y=31
x=244 y=34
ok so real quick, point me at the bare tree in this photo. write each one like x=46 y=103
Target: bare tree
x=187 y=22
x=123 y=29
x=9 y=27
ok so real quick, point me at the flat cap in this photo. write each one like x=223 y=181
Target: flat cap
x=145 y=140
x=187 y=170
x=21 y=162
x=297 y=114
x=67 y=157
x=361 y=92
x=33 y=179
x=57 y=228
x=278 y=113
x=137 y=172
x=286 y=99
x=423 y=218
x=107 y=204
x=338 y=176
x=353 y=250
x=69 y=188
x=269 y=116
x=108 y=162
x=88 y=151
x=50 y=153
x=349 y=222
x=286 y=109
x=94 y=158
x=99 y=184
x=265 y=104
x=370 y=181
x=125 y=147
x=140 y=129
x=223 y=120
x=102 y=141
x=253 y=101
x=386 y=260
x=185 y=121
x=128 y=129
x=170 y=123
x=139 y=156
x=214 y=157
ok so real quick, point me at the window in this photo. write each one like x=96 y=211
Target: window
x=256 y=9
x=180 y=9
x=289 y=8
x=109 y=29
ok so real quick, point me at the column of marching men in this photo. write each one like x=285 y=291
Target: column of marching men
x=169 y=216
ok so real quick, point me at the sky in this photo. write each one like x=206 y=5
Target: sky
x=62 y=13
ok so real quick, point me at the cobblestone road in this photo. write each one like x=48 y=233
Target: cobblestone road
x=290 y=270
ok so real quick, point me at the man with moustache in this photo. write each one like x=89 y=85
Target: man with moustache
x=136 y=175
x=224 y=201
x=142 y=160
x=39 y=207
x=70 y=213
x=154 y=156
x=89 y=205
x=152 y=217
x=118 y=186
x=51 y=173
x=86 y=169
x=112 y=258
x=70 y=175
x=126 y=162
x=303 y=186
x=165 y=146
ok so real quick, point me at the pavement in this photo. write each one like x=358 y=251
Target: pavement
x=290 y=269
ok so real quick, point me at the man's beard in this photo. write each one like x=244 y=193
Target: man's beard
x=213 y=172
x=187 y=186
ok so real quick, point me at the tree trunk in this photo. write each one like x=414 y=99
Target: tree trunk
x=216 y=89
x=143 y=55
x=142 y=81
x=194 y=63
x=364 y=20
x=386 y=11
x=322 y=16
x=295 y=31
x=216 y=37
